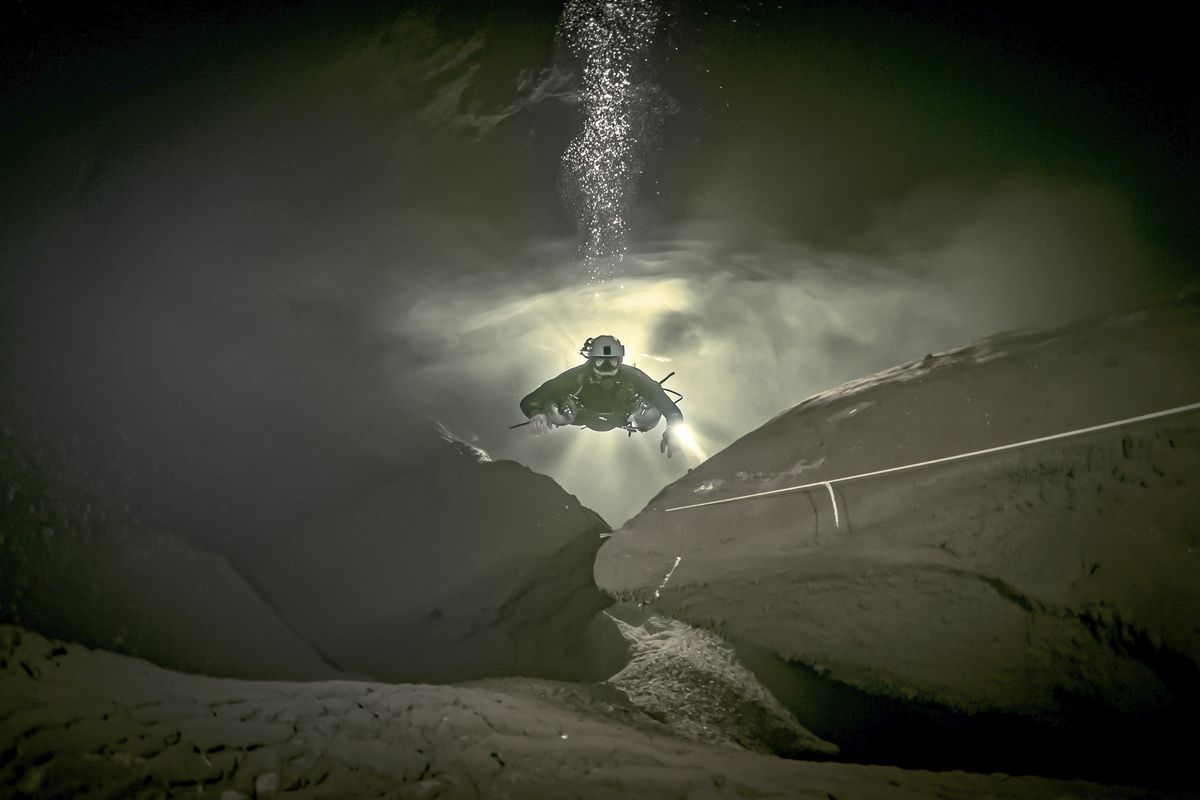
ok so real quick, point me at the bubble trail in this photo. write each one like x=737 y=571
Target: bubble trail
x=602 y=164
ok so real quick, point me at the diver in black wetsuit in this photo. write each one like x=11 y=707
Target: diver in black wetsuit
x=602 y=394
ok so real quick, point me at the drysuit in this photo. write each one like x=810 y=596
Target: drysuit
x=629 y=399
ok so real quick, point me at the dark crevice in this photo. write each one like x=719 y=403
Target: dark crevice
x=1178 y=673
x=1090 y=743
x=1010 y=593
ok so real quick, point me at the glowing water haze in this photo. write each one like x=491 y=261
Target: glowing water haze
x=749 y=331
x=602 y=164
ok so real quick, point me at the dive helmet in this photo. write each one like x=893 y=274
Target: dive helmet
x=605 y=353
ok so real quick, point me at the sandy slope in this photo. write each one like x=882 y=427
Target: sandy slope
x=76 y=723
x=691 y=679
x=1056 y=582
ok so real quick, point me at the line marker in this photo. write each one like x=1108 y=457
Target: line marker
x=670 y=572
x=833 y=499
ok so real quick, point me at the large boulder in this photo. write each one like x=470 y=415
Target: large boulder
x=458 y=568
x=1056 y=581
x=449 y=567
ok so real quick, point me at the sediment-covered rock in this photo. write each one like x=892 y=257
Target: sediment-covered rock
x=458 y=569
x=691 y=680
x=1055 y=581
x=81 y=724
x=452 y=568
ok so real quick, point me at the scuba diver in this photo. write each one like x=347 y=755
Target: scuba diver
x=602 y=393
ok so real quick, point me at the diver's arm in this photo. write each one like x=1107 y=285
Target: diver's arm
x=556 y=388
x=653 y=393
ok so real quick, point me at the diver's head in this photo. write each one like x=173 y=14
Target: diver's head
x=605 y=353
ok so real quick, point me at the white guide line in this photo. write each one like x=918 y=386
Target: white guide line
x=958 y=457
x=670 y=572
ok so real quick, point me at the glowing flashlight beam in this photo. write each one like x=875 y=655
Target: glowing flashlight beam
x=686 y=438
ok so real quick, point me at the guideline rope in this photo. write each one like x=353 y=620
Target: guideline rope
x=957 y=457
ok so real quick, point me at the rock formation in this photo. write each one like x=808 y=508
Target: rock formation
x=464 y=568
x=85 y=724
x=1054 y=582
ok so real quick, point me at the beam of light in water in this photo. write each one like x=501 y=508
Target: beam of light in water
x=540 y=329
x=686 y=438
x=602 y=164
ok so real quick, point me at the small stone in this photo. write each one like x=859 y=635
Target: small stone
x=31 y=780
x=266 y=783
x=127 y=759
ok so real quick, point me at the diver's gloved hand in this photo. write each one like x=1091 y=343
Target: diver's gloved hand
x=670 y=442
x=538 y=423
